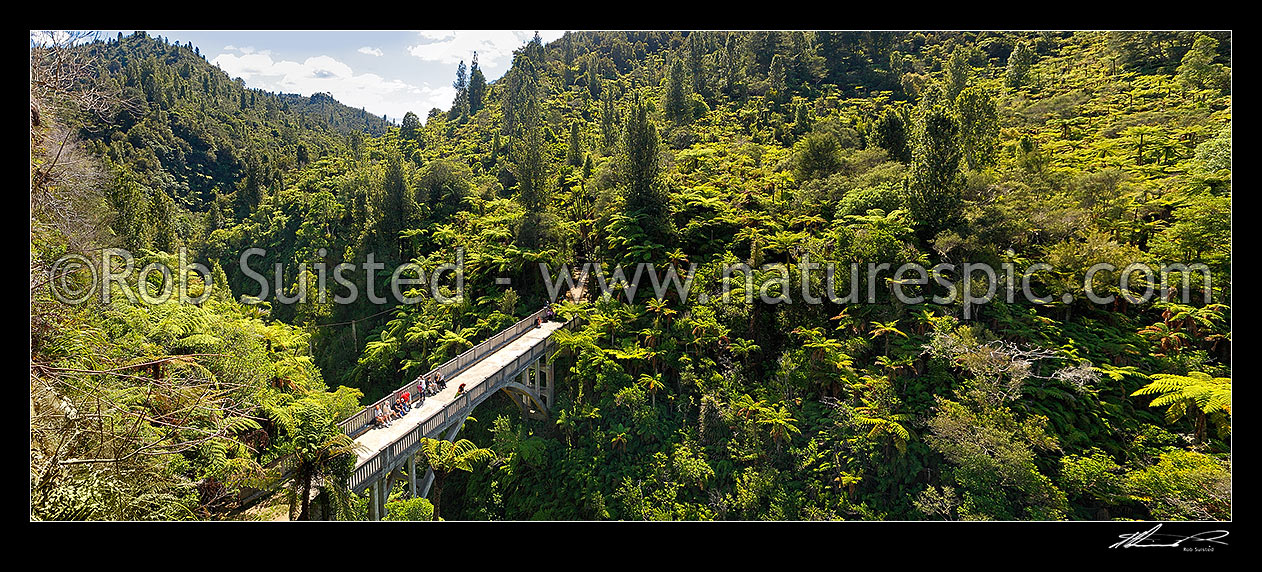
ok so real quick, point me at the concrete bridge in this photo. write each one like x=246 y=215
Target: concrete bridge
x=514 y=360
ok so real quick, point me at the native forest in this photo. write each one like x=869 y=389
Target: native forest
x=704 y=150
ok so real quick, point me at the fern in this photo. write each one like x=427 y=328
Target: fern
x=1209 y=397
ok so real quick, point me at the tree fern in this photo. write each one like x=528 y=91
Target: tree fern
x=1209 y=397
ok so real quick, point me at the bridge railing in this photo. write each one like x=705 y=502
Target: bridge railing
x=363 y=419
x=391 y=455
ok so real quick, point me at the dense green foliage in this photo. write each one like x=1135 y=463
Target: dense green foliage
x=146 y=411
x=714 y=148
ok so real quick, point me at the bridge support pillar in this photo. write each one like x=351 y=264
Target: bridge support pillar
x=427 y=482
x=524 y=379
x=534 y=380
x=548 y=384
x=383 y=493
x=412 y=475
x=373 y=512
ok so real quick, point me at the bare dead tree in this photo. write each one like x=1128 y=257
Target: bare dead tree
x=67 y=205
x=1002 y=367
x=66 y=96
x=62 y=82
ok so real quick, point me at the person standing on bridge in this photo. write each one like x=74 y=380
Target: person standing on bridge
x=442 y=382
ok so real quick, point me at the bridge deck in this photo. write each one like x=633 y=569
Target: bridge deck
x=375 y=440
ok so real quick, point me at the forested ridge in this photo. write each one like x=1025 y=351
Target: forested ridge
x=190 y=136
x=705 y=148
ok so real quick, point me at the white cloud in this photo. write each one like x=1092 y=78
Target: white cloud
x=494 y=48
x=371 y=51
x=245 y=50
x=438 y=34
x=325 y=74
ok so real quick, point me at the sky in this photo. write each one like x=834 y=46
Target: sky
x=386 y=72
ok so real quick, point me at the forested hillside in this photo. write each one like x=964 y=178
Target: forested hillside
x=196 y=147
x=776 y=150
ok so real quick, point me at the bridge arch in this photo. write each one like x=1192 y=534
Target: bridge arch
x=520 y=394
x=524 y=396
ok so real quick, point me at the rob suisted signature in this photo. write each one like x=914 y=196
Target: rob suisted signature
x=1151 y=539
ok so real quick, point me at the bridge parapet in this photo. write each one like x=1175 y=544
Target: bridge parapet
x=361 y=421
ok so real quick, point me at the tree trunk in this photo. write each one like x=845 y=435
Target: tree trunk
x=305 y=502
x=437 y=497
x=1200 y=428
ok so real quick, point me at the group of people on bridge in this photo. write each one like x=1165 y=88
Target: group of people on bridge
x=386 y=412
x=547 y=316
x=431 y=384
